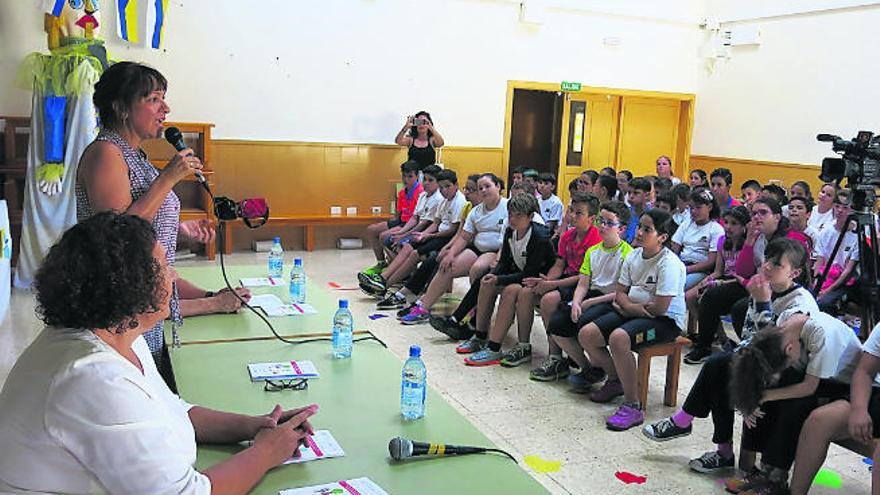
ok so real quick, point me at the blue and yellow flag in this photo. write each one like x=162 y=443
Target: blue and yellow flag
x=156 y=21
x=126 y=28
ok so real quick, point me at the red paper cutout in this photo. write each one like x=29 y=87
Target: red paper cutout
x=629 y=478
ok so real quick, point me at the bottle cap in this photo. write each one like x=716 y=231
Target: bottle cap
x=343 y=303
x=415 y=351
x=276 y=240
x=297 y=262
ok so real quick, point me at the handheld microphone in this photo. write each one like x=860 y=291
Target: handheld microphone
x=401 y=448
x=175 y=137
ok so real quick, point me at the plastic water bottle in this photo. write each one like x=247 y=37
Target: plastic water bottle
x=297 y=282
x=276 y=260
x=413 y=386
x=343 y=325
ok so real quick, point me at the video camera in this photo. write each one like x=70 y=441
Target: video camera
x=859 y=165
x=254 y=211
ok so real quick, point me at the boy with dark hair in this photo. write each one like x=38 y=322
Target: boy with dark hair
x=751 y=190
x=609 y=172
x=407 y=198
x=442 y=228
x=639 y=202
x=530 y=176
x=720 y=180
x=776 y=192
x=516 y=177
x=681 y=210
x=549 y=204
x=662 y=185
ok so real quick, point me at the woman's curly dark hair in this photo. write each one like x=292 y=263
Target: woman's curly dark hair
x=754 y=367
x=101 y=274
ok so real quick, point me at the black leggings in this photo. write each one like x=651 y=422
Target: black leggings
x=423 y=275
x=716 y=302
x=710 y=395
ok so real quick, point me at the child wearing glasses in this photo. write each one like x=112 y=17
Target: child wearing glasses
x=592 y=297
x=696 y=241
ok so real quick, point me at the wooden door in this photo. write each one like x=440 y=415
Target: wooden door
x=589 y=136
x=649 y=127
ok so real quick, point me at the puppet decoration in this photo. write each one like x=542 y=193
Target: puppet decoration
x=63 y=123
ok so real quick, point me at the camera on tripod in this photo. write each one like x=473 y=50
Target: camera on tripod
x=859 y=165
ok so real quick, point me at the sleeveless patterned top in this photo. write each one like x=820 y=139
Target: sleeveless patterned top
x=141 y=175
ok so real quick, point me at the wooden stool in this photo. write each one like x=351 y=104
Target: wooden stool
x=672 y=351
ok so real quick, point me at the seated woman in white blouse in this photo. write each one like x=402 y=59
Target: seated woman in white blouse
x=84 y=409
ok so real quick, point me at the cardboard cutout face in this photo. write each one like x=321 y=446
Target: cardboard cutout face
x=79 y=19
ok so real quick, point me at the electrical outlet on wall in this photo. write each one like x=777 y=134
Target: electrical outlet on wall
x=376 y=210
x=336 y=210
x=351 y=211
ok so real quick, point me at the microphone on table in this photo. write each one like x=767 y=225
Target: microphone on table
x=175 y=137
x=401 y=449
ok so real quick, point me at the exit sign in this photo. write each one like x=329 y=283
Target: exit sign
x=570 y=86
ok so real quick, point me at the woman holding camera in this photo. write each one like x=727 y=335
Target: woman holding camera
x=421 y=139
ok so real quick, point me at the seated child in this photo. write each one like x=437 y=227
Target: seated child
x=648 y=309
x=406 y=203
x=698 y=179
x=843 y=268
x=593 y=295
x=751 y=190
x=550 y=206
x=696 y=242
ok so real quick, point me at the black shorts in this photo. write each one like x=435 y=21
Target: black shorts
x=394 y=222
x=642 y=332
x=566 y=294
x=431 y=245
x=560 y=321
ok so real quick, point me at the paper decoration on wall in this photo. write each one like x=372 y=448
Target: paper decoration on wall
x=126 y=27
x=63 y=123
x=156 y=21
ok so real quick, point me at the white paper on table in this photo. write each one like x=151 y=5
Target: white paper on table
x=362 y=486
x=321 y=445
x=290 y=370
x=265 y=300
x=292 y=309
x=261 y=282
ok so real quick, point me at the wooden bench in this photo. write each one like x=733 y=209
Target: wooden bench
x=308 y=223
x=672 y=351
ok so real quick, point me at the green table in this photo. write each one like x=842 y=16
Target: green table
x=359 y=400
x=245 y=325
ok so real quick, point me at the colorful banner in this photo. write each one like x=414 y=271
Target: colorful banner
x=126 y=28
x=57 y=7
x=156 y=21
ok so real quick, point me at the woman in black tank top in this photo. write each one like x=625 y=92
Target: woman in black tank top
x=421 y=139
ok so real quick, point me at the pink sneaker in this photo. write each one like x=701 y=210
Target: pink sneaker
x=608 y=392
x=416 y=316
x=625 y=418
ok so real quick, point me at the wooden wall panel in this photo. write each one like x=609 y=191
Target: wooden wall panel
x=762 y=171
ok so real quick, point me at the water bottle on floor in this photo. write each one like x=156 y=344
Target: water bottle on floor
x=413 y=386
x=276 y=260
x=297 y=282
x=343 y=325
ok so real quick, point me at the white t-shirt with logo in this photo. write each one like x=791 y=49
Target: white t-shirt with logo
x=830 y=348
x=487 y=226
x=849 y=248
x=551 y=208
x=426 y=206
x=518 y=248
x=821 y=221
x=449 y=211
x=662 y=275
x=697 y=241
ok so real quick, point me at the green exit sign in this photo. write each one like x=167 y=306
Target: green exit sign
x=571 y=86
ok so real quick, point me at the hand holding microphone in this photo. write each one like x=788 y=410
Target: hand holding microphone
x=185 y=162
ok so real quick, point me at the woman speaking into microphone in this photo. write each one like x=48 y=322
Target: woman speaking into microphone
x=114 y=174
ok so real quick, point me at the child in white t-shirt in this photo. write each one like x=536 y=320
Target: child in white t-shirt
x=648 y=309
x=425 y=211
x=696 y=241
x=842 y=271
x=549 y=204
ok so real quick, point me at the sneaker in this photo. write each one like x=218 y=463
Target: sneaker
x=484 y=357
x=742 y=481
x=371 y=291
x=586 y=379
x=552 y=368
x=393 y=301
x=471 y=345
x=625 y=418
x=452 y=329
x=405 y=311
x=416 y=316
x=697 y=355
x=711 y=462
x=666 y=429
x=608 y=392
x=375 y=269
x=517 y=355
x=374 y=281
